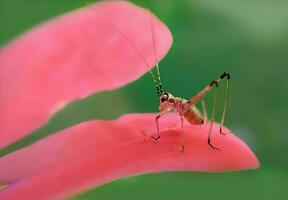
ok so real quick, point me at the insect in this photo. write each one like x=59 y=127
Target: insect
x=185 y=108
x=188 y=110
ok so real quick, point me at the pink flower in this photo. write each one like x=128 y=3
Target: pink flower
x=72 y=57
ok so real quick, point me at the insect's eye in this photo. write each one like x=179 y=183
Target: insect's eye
x=164 y=98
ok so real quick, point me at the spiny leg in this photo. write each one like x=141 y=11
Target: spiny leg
x=182 y=142
x=212 y=119
x=157 y=123
x=225 y=104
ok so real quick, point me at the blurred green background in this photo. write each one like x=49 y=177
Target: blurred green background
x=248 y=38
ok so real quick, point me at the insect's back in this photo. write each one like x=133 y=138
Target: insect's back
x=194 y=116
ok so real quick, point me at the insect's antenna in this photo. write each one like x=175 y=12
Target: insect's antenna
x=225 y=102
x=155 y=55
x=157 y=85
x=155 y=51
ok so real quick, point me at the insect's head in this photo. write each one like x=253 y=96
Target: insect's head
x=164 y=96
x=166 y=100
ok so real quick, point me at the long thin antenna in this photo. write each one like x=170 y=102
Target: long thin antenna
x=155 y=51
x=157 y=85
x=154 y=48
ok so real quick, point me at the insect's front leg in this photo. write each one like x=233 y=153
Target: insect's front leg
x=157 y=123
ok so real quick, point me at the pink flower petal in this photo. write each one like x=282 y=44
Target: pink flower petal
x=95 y=152
x=71 y=57
x=22 y=163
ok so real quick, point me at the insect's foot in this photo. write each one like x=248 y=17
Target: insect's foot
x=156 y=138
x=221 y=132
x=215 y=148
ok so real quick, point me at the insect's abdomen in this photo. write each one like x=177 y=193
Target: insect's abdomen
x=193 y=116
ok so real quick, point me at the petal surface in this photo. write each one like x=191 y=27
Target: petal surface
x=89 y=154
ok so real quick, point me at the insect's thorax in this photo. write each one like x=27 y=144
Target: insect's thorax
x=171 y=102
x=178 y=104
x=182 y=106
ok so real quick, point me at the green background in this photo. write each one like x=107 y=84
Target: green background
x=248 y=38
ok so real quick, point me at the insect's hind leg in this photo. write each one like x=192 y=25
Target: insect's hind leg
x=209 y=87
x=202 y=93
